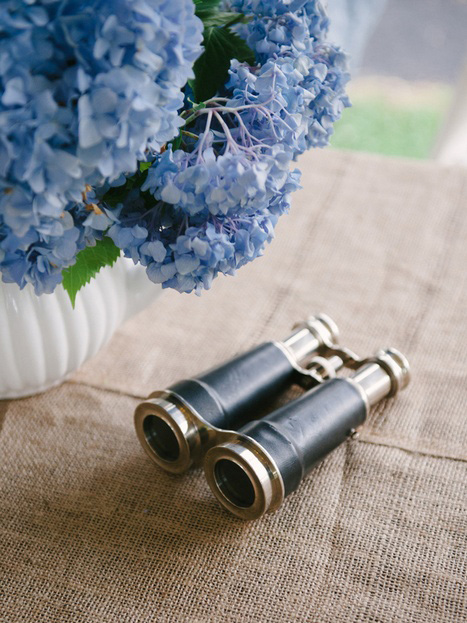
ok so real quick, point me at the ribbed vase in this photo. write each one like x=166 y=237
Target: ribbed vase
x=43 y=339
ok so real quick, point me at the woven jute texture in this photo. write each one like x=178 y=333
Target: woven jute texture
x=91 y=531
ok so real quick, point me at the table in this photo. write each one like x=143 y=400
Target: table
x=92 y=531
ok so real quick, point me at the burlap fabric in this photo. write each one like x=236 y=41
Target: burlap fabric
x=91 y=531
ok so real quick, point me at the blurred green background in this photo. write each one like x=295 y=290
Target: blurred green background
x=408 y=92
x=394 y=117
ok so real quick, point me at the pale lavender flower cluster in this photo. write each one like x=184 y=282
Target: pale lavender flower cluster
x=309 y=88
x=278 y=25
x=213 y=213
x=87 y=87
x=218 y=200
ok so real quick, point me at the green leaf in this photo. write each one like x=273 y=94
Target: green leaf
x=206 y=9
x=176 y=142
x=205 y=6
x=211 y=69
x=143 y=166
x=223 y=18
x=89 y=261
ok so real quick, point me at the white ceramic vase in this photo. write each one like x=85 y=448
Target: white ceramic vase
x=43 y=339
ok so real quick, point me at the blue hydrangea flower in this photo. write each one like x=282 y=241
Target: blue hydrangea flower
x=207 y=183
x=200 y=214
x=218 y=199
x=87 y=87
x=279 y=23
x=302 y=77
x=38 y=255
x=205 y=208
x=37 y=252
x=190 y=261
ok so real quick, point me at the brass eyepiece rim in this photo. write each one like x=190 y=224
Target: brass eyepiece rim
x=260 y=469
x=178 y=422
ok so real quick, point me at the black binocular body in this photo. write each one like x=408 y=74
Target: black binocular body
x=302 y=433
x=237 y=389
x=252 y=462
x=177 y=426
x=253 y=470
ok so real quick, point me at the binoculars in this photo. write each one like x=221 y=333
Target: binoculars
x=252 y=462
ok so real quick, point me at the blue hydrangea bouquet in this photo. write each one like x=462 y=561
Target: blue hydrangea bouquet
x=161 y=128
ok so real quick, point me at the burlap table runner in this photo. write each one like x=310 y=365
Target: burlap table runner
x=91 y=531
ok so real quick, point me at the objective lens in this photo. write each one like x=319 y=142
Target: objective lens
x=161 y=438
x=234 y=483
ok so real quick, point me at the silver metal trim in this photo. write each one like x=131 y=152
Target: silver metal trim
x=318 y=332
x=190 y=429
x=259 y=467
x=306 y=377
x=362 y=393
x=381 y=376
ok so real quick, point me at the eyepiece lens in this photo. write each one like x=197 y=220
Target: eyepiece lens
x=161 y=438
x=234 y=483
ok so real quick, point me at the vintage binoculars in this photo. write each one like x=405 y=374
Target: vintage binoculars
x=251 y=462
